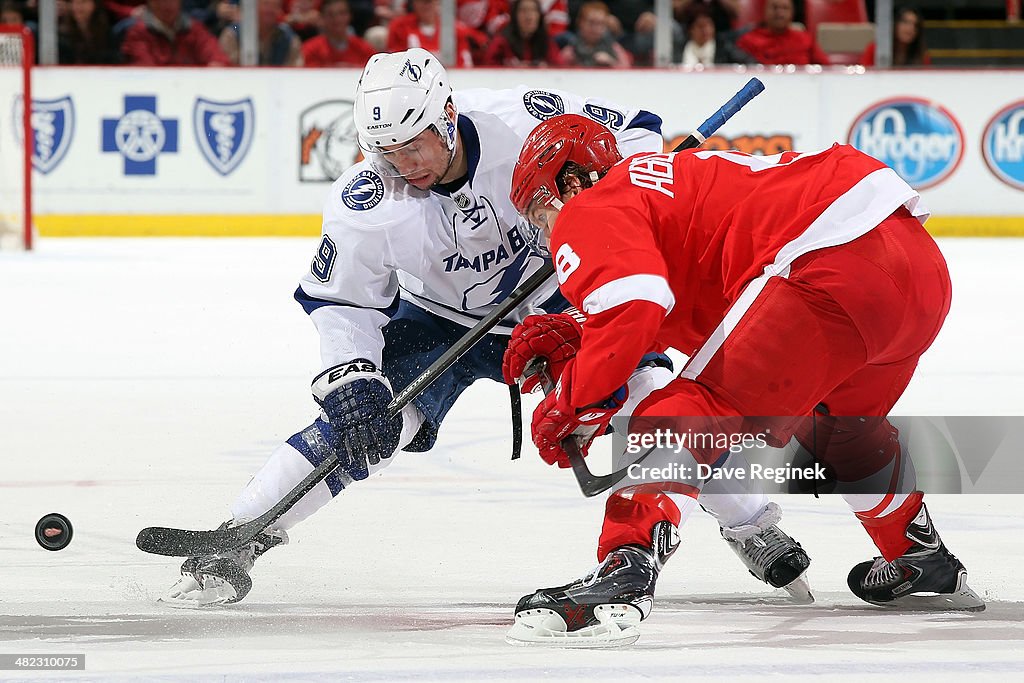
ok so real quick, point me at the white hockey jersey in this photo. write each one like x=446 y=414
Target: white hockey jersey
x=455 y=255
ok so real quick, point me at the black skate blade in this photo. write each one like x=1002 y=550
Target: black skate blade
x=160 y=540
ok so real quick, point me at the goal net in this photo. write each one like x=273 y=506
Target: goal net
x=16 y=56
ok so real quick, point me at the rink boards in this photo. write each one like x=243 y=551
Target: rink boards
x=178 y=152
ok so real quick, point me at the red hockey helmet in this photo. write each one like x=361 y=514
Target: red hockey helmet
x=560 y=140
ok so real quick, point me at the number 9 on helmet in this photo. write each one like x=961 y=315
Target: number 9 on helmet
x=399 y=96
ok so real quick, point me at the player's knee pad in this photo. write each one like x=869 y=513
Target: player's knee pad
x=852 y=448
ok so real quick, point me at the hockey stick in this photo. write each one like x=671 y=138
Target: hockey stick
x=188 y=543
x=592 y=484
x=752 y=89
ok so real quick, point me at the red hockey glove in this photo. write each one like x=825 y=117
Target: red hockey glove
x=555 y=337
x=554 y=420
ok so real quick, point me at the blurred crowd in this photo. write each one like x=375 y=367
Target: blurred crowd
x=611 y=34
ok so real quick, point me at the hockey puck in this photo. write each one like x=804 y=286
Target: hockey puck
x=54 y=532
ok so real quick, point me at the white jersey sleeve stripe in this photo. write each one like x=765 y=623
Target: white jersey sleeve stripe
x=643 y=287
x=854 y=213
x=707 y=351
x=755 y=162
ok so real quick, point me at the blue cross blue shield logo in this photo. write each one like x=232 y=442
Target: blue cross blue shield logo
x=53 y=127
x=224 y=131
x=139 y=135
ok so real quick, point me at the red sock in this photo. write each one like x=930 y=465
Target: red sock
x=630 y=514
x=890 y=532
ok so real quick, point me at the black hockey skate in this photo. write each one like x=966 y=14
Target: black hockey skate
x=771 y=555
x=220 y=579
x=926 y=577
x=604 y=608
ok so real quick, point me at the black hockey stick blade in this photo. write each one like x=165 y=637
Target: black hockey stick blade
x=188 y=543
x=161 y=540
x=592 y=484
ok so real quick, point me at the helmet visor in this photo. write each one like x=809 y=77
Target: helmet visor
x=396 y=161
x=539 y=219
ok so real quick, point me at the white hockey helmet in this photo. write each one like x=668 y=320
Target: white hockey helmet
x=399 y=96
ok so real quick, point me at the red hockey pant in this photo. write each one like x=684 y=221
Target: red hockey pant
x=845 y=329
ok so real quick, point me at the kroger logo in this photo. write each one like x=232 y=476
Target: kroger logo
x=1003 y=145
x=919 y=140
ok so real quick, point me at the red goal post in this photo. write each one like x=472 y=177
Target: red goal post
x=17 y=54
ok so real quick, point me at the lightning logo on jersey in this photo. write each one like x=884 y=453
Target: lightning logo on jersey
x=363 y=192
x=543 y=105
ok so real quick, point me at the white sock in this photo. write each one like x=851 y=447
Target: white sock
x=734 y=502
x=686 y=505
x=286 y=467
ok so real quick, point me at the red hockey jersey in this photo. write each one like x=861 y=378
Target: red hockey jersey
x=656 y=252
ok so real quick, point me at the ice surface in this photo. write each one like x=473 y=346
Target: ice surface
x=143 y=381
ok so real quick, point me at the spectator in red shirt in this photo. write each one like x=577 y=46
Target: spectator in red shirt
x=122 y=9
x=336 y=45
x=304 y=17
x=525 y=40
x=908 y=48
x=488 y=16
x=420 y=28
x=776 y=42
x=163 y=36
